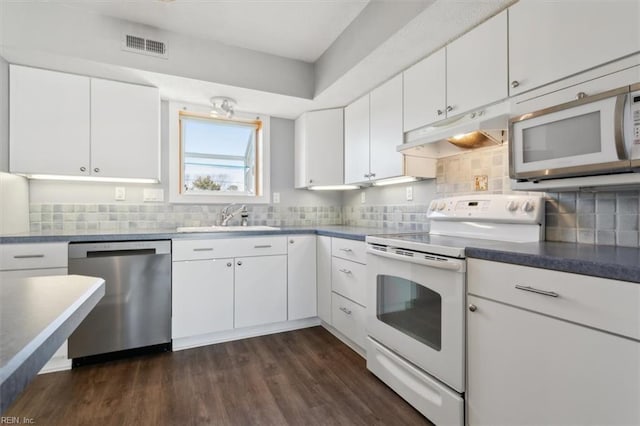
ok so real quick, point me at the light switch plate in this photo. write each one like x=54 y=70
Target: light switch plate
x=409 y=193
x=363 y=197
x=480 y=183
x=276 y=197
x=120 y=193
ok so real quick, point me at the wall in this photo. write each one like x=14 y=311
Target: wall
x=4 y=115
x=73 y=206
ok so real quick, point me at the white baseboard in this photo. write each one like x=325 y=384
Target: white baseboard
x=242 y=333
x=356 y=348
x=56 y=364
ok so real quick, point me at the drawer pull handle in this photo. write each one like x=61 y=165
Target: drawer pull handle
x=535 y=290
x=28 y=256
x=263 y=246
x=345 y=271
x=203 y=249
x=473 y=307
x=348 y=250
x=345 y=310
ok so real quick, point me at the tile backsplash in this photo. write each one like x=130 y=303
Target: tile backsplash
x=123 y=217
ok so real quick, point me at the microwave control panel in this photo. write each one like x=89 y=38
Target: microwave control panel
x=635 y=119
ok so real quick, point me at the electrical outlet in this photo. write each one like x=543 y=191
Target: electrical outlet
x=409 y=193
x=152 y=194
x=120 y=193
x=363 y=197
x=276 y=197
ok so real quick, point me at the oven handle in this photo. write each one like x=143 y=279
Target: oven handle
x=449 y=264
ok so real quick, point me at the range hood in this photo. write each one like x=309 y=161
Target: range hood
x=476 y=129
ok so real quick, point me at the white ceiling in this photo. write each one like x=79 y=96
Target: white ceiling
x=296 y=29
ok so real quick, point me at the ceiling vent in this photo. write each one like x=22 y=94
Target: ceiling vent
x=144 y=46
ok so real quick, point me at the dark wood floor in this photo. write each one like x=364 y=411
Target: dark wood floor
x=304 y=377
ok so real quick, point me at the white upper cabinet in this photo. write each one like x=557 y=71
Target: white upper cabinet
x=125 y=130
x=470 y=72
x=477 y=66
x=386 y=129
x=319 y=146
x=425 y=91
x=356 y=141
x=550 y=40
x=70 y=125
x=49 y=122
x=373 y=129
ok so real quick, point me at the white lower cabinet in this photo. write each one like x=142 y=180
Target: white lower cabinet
x=229 y=288
x=301 y=277
x=551 y=358
x=260 y=290
x=202 y=297
x=37 y=260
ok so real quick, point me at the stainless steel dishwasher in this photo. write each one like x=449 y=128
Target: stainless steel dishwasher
x=135 y=312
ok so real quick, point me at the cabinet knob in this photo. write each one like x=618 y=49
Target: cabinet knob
x=229 y=264
x=581 y=95
x=97 y=170
x=372 y=175
x=367 y=175
x=449 y=108
x=515 y=83
x=310 y=180
x=291 y=241
x=473 y=307
x=83 y=169
x=239 y=263
x=440 y=112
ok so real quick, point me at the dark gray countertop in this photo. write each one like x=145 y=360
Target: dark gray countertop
x=349 y=232
x=36 y=316
x=622 y=263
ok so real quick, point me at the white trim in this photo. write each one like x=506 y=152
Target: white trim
x=60 y=363
x=174 y=160
x=344 y=339
x=242 y=333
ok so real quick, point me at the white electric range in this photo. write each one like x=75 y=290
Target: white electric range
x=416 y=293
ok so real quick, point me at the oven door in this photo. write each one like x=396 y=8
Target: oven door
x=580 y=138
x=415 y=307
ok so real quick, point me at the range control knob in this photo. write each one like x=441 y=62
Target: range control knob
x=528 y=206
x=442 y=205
x=512 y=205
x=433 y=206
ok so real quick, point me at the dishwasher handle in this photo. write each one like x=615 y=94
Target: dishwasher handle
x=125 y=248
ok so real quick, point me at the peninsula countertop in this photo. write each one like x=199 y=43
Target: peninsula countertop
x=37 y=315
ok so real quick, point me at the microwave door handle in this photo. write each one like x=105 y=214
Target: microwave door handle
x=618 y=118
x=452 y=265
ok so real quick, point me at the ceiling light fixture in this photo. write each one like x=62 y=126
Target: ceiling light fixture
x=221 y=106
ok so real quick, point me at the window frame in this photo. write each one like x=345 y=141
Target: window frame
x=176 y=165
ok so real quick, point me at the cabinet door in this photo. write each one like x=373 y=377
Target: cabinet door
x=356 y=141
x=477 y=66
x=202 y=297
x=49 y=122
x=526 y=368
x=425 y=91
x=125 y=130
x=550 y=40
x=323 y=267
x=260 y=290
x=301 y=277
x=325 y=147
x=386 y=129
x=300 y=151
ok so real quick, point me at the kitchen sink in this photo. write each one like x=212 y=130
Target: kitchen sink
x=216 y=228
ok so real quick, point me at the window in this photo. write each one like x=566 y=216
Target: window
x=219 y=155
x=217 y=160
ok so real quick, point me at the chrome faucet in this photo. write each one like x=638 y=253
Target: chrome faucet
x=226 y=215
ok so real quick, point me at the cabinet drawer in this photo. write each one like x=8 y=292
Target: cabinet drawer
x=199 y=249
x=348 y=318
x=258 y=246
x=349 y=249
x=601 y=303
x=228 y=247
x=349 y=279
x=33 y=256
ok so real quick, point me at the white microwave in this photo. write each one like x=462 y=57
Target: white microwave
x=593 y=135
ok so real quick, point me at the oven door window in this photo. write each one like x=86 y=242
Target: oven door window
x=410 y=308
